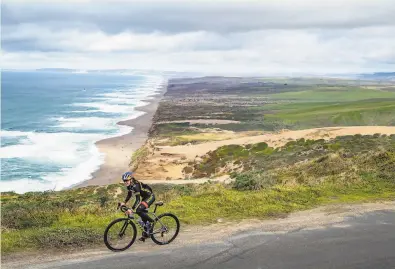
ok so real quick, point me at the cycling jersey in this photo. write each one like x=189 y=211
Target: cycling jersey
x=142 y=192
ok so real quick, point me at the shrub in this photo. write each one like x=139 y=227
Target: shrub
x=103 y=200
x=254 y=181
x=66 y=237
x=259 y=146
x=22 y=216
x=187 y=170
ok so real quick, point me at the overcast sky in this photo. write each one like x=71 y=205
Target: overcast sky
x=267 y=36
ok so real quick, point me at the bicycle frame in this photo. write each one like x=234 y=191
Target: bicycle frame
x=155 y=218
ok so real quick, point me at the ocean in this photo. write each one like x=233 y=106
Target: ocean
x=51 y=120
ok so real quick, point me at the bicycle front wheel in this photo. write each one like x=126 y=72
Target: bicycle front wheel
x=120 y=234
x=166 y=229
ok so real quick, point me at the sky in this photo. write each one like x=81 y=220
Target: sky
x=271 y=37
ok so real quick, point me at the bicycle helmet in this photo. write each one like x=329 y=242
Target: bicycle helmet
x=127 y=176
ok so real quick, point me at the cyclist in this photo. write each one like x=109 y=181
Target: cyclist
x=144 y=198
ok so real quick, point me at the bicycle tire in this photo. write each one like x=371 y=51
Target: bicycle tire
x=176 y=233
x=133 y=226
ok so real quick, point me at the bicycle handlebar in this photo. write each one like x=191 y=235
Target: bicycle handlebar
x=124 y=208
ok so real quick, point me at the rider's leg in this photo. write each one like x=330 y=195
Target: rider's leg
x=145 y=217
x=142 y=213
x=143 y=206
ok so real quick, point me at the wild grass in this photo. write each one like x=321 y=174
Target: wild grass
x=77 y=218
x=138 y=156
x=276 y=201
x=197 y=138
x=302 y=114
x=261 y=157
x=334 y=94
x=272 y=182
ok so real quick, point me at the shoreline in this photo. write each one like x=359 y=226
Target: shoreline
x=119 y=150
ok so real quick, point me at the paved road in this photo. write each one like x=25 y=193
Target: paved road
x=367 y=241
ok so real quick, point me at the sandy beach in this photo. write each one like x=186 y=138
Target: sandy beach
x=119 y=150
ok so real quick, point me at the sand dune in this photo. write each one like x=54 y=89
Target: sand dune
x=167 y=162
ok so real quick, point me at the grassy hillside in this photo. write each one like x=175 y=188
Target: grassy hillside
x=334 y=94
x=272 y=183
x=307 y=115
x=275 y=104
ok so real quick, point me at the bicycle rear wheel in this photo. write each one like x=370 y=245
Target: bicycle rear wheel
x=166 y=229
x=120 y=234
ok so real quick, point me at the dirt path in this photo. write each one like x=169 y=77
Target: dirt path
x=318 y=218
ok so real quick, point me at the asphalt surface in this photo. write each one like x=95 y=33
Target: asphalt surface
x=367 y=241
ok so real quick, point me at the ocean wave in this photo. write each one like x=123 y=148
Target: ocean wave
x=76 y=174
x=62 y=148
x=6 y=133
x=86 y=123
x=105 y=107
x=25 y=185
x=57 y=180
x=131 y=103
x=75 y=153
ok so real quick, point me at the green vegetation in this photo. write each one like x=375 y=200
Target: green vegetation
x=175 y=133
x=236 y=158
x=221 y=202
x=306 y=115
x=138 y=156
x=183 y=133
x=71 y=218
x=334 y=94
x=275 y=104
x=173 y=129
x=300 y=175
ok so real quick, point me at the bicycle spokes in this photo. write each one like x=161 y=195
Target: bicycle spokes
x=167 y=227
x=120 y=234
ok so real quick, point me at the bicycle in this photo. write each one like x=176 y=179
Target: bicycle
x=130 y=222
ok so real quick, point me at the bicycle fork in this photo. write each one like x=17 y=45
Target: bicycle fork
x=123 y=229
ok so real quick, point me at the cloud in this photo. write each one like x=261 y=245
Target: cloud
x=261 y=36
x=220 y=16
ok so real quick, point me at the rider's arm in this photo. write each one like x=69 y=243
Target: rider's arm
x=128 y=196
x=138 y=196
